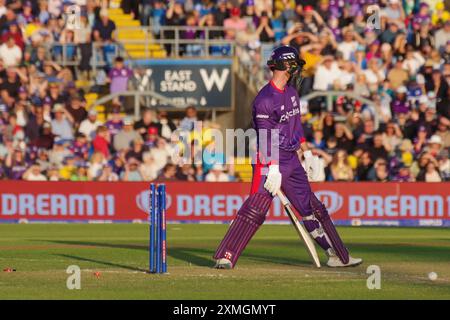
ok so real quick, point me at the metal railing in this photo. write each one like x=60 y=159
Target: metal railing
x=137 y=96
x=330 y=95
x=69 y=55
x=171 y=38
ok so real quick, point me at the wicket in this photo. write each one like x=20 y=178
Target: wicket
x=158 y=237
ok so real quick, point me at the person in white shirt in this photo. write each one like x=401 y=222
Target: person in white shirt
x=54 y=7
x=34 y=174
x=89 y=126
x=326 y=74
x=160 y=154
x=374 y=74
x=10 y=53
x=349 y=45
x=148 y=169
x=413 y=61
x=216 y=174
x=442 y=37
x=347 y=75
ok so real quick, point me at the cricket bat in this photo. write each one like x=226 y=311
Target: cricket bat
x=304 y=235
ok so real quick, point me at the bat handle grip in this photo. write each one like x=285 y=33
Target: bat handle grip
x=282 y=197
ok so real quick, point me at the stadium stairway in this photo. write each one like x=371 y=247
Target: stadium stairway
x=124 y=32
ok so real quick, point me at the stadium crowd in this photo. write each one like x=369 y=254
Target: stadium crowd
x=400 y=61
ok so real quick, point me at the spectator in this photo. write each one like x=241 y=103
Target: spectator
x=89 y=126
x=340 y=168
x=76 y=109
x=81 y=173
x=108 y=174
x=104 y=29
x=234 y=24
x=444 y=164
x=175 y=16
x=404 y=174
x=398 y=75
x=434 y=145
x=374 y=74
x=264 y=30
x=68 y=168
x=131 y=172
x=349 y=45
x=123 y=139
x=430 y=173
x=318 y=141
x=443 y=132
x=148 y=168
x=53 y=174
x=168 y=173
x=46 y=138
x=186 y=173
x=381 y=173
x=378 y=150
x=216 y=174
x=160 y=154
x=102 y=140
x=343 y=136
x=364 y=166
x=115 y=123
x=62 y=123
x=188 y=122
x=104 y=32
x=59 y=152
x=137 y=150
x=79 y=147
x=33 y=173
x=10 y=52
x=392 y=137
x=326 y=75
x=167 y=127
x=14 y=32
x=147 y=121
x=96 y=165
x=119 y=76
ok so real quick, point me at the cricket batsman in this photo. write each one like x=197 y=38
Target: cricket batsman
x=276 y=110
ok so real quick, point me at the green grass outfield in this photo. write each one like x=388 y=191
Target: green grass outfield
x=274 y=266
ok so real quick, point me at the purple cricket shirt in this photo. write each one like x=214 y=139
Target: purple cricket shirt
x=274 y=108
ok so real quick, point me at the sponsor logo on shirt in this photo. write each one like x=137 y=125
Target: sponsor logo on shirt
x=262 y=116
x=294 y=101
x=289 y=114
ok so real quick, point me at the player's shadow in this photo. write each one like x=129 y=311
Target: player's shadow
x=105 y=263
x=196 y=256
x=201 y=257
x=190 y=255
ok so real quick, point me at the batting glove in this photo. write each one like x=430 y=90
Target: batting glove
x=273 y=180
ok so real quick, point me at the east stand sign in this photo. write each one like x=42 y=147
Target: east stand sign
x=202 y=83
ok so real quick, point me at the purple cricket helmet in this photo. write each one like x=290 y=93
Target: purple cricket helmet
x=283 y=54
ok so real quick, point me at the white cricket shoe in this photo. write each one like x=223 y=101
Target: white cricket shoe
x=223 y=263
x=335 y=262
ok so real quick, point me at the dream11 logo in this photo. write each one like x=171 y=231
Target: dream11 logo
x=332 y=200
x=72 y=17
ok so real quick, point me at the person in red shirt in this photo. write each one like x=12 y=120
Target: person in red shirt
x=14 y=32
x=102 y=141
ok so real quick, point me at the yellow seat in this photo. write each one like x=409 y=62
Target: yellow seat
x=100 y=108
x=126 y=30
